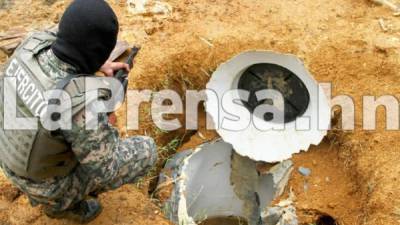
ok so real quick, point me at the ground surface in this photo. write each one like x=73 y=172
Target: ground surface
x=354 y=175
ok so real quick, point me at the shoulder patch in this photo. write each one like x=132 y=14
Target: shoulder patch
x=25 y=87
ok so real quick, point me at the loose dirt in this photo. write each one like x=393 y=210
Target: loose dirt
x=330 y=190
x=354 y=174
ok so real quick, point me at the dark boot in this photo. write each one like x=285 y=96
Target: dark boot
x=83 y=212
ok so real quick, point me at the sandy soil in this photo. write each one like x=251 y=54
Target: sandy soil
x=127 y=205
x=329 y=190
x=354 y=181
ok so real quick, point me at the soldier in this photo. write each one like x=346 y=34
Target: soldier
x=65 y=170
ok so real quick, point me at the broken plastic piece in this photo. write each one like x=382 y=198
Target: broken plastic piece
x=306 y=108
x=213 y=182
x=304 y=171
x=284 y=213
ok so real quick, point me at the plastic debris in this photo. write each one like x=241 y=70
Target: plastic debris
x=304 y=171
x=213 y=181
x=284 y=213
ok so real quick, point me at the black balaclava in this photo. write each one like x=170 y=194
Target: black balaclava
x=87 y=34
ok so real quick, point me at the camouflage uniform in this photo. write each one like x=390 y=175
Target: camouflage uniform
x=105 y=161
x=5 y=4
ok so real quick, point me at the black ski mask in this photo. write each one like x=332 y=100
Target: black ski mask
x=87 y=34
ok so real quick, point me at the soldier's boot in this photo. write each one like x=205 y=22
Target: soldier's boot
x=83 y=212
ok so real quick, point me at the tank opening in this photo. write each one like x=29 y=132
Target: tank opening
x=271 y=76
x=326 y=220
x=225 y=221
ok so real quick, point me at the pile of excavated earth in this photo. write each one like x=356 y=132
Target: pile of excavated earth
x=351 y=178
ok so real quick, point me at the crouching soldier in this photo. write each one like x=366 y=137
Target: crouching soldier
x=65 y=170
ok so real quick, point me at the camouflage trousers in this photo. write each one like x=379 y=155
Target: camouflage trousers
x=100 y=169
x=5 y=4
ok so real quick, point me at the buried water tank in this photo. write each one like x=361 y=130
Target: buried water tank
x=220 y=178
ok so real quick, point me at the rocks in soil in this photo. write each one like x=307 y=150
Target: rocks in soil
x=304 y=171
x=284 y=213
x=149 y=7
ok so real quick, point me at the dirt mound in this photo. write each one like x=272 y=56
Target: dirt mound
x=341 y=42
